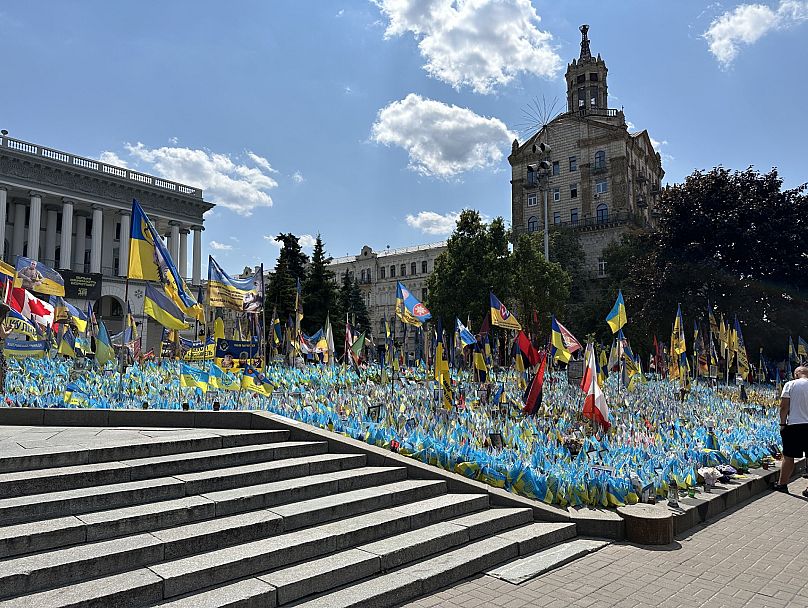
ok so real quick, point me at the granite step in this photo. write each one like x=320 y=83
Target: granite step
x=53 y=479
x=86 y=527
x=72 y=456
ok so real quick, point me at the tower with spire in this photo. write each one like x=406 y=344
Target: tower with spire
x=586 y=79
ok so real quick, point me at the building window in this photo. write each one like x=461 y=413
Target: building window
x=593 y=77
x=532 y=177
x=600 y=159
x=556 y=217
x=117 y=231
x=556 y=194
x=413 y=269
x=574 y=217
x=363 y=276
x=532 y=199
x=581 y=97
x=601 y=186
x=392 y=272
x=573 y=190
x=556 y=168
x=581 y=78
x=381 y=272
x=424 y=267
x=601 y=267
x=602 y=213
x=573 y=163
x=403 y=270
x=370 y=275
x=593 y=96
x=532 y=224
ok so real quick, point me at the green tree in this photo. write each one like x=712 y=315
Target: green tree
x=350 y=305
x=537 y=284
x=290 y=267
x=319 y=290
x=476 y=260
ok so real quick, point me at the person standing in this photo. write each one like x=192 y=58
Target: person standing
x=793 y=425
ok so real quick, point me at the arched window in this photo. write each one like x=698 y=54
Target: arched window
x=600 y=159
x=413 y=268
x=602 y=212
x=423 y=267
x=403 y=270
x=392 y=271
x=532 y=224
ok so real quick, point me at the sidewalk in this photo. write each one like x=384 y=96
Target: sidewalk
x=755 y=555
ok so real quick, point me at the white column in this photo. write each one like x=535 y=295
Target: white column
x=123 y=251
x=81 y=243
x=95 y=244
x=19 y=230
x=197 y=259
x=174 y=242
x=3 y=199
x=67 y=235
x=34 y=225
x=50 y=237
x=184 y=253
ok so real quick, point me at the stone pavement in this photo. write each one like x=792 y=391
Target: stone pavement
x=755 y=555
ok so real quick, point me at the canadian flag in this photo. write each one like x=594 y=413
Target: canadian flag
x=30 y=307
x=595 y=407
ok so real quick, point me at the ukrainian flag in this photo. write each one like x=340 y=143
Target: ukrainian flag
x=67 y=345
x=163 y=310
x=500 y=316
x=466 y=337
x=222 y=380
x=617 y=316
x=149 y=260
x=64 y=311
x=191 y=377
x=559 y=350
x=480 y=368
x=16 y=323
x=103 y=345
x=255 y=381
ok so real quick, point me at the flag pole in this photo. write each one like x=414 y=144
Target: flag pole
x=121 y=353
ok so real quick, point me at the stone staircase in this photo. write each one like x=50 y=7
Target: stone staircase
x=246 y=519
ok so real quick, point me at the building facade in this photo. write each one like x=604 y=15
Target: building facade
x=73 y=213
x=598 y=177
x=378 y=273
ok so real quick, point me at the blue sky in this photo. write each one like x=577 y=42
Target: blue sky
x=375 y=122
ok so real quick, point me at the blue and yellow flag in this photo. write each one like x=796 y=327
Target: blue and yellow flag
x=222 y=380
x=802 y=348
x=617 y=315
x=103 y=345
x=149 y=260
x=163 y=310
x=678 y=345
x=65 y=311
x=23 y=349
x=16 y=323
x=408 y=308
x=244 y=294
x=192 y=377
x=466 y=337
x=35 y=276
x=255 y=381
x=501 y=316
x=559 y=350
x=67 y=345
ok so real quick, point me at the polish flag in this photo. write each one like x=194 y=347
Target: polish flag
x=595 y=407
x=30 y=307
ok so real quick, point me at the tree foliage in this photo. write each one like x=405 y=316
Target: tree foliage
x=290 y=267
x=350 y=305
x=319 y=290
x=736 y=239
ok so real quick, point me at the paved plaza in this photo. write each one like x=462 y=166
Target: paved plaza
x=753 y=556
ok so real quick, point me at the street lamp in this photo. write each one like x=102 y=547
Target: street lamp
x=543 y=169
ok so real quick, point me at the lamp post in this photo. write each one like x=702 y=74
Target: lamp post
x=543 y=169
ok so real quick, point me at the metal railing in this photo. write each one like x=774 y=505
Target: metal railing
x=89 y=164
x=613 y=218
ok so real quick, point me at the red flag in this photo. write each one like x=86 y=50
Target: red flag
x=527 y=349
x=534 y=390
x=595 y=407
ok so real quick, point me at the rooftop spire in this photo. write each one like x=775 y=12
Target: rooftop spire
x=586 y=54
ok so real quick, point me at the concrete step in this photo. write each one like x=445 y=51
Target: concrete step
x=54 y=479
x=71 y=456
x=527 y=567
x=85 y=527
x=421 y=576
x=196 y=572
x=216 y=567
x=103 y=497
x=59 y=567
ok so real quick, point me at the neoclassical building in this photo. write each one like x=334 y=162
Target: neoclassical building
x=378 y=272
x=599 y=176
x=73 y=214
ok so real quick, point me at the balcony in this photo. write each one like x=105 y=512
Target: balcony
x=615 y=218
x=607 y=112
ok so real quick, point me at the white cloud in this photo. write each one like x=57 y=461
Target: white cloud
x=220 y=246
x=441 y=140
x=271 y=239
x=481 y=44
x=112 y=159
x=173 y=141
x=297 y=177
x=747 y=23
x=306 y=241
x=433 y=223
x=227 y=183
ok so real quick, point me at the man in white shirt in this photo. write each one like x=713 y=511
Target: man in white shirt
x=793 y=425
